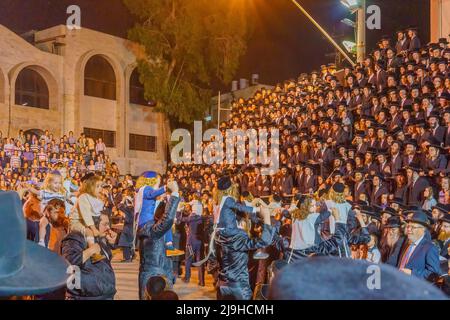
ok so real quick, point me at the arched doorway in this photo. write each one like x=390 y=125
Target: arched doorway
x=36 y=132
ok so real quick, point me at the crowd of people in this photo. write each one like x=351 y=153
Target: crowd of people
x=364 y=175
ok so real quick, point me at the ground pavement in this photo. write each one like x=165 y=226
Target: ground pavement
x=127 y=283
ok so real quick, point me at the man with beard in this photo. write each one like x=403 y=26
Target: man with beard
x=416 y=185
x=392 y=242
x=420 y=257
x=361 y=186
x=438 y=212
x=444 y=241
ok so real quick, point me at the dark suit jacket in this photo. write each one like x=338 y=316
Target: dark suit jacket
x=437 y=165
x=414 y=44
x=381 y=80
x=439 y=134
x=375 y=196
x=399 y=247
x=414 y=194
x=447 y=137
x=396 y=164
x=287 y=183
x=399 y=47
x=359 y=189
x=424 y=261
x=310 y=184
x=361 y=149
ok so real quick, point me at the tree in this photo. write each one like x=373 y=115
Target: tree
x=188 y=44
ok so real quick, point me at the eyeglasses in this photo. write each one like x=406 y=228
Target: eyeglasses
x=409 y=226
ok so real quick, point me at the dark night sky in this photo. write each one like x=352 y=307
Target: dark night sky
x=284 y=44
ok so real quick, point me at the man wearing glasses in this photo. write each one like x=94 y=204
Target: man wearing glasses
x=420 y=257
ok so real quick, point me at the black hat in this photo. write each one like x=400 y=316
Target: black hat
x=224 y=183
x=25 y=267
x=390 y=211
x=446 y=218
x=398 y=201
x=434 y=114
x=412 y=28
x=393 y=222
x=346 y=279
x=412 y=142
x=445 y=208
x=87 y=176
x=338 y=187
x=414 y=167
x=420 y=217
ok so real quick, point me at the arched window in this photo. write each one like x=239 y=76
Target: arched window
x=99 y=79
x=31 y=89
x=137 y=90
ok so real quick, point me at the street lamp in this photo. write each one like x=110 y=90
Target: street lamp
x=352 y=5
x=359 y=7
x=349 y=23
x=349 y=46
x=329 y=38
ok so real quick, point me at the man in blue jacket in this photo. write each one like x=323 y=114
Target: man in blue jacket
x=152 y=251
x=420 y=256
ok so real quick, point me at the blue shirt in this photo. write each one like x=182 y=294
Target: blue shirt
x=149 y=204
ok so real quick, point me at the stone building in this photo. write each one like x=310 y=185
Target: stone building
x=81 y=80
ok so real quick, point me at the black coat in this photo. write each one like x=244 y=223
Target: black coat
x=127 y=235
x=414 y=194
x=98 y=281
x=414 y=44
x=394 y=255
x=360 y=189
x=152 y=251
x=233 y=246
x=325 y=248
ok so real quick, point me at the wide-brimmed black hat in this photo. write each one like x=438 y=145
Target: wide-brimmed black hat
x=224 y=183
x=346 y=279
x=445 y=208
x=393 y=222
x=421 y=218
x=25 y=267
x=398 y=201
x=390 y=211
x=445 y=218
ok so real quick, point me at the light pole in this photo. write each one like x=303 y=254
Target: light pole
x=361 y=32
x=338 y=47
x=358 y=7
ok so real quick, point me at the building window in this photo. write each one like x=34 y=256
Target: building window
x=137 y=91
x=99 y=79
x=142 y=143
x=31 y=90
x=108 y=137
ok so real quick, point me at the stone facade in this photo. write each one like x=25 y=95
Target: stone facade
x=60 y=56
x=440 y=19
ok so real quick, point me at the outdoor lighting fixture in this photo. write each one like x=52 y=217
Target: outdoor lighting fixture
x=352 y=5
x=349 y=46
x=348 y=22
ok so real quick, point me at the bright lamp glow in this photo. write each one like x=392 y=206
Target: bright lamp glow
x=350 y=3
x=349 y=46
x=349 y=23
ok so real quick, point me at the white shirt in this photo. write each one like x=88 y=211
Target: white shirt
x=415 y=244
x=303 y=232
x=197 y=207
